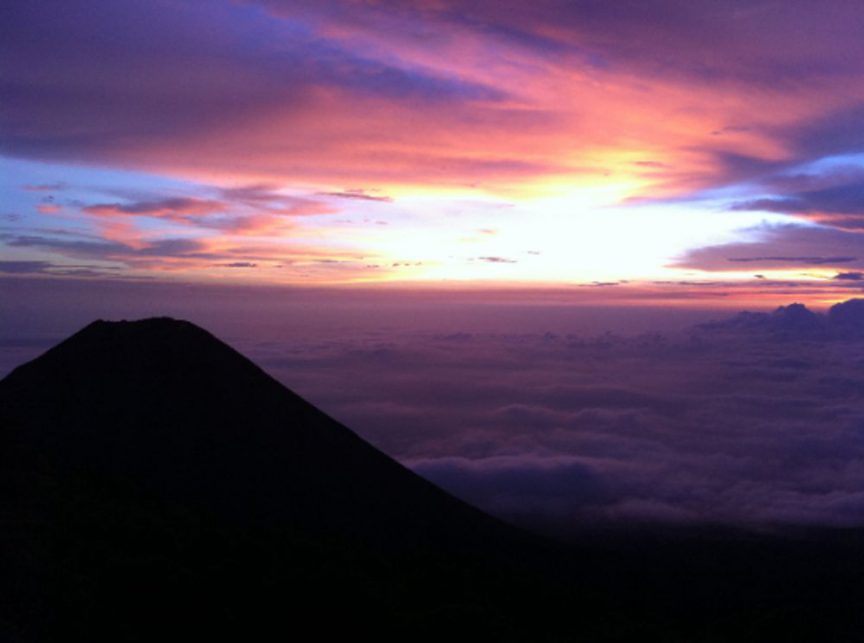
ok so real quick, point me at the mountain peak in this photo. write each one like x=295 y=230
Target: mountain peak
x=154 y=350
x=151 y=329
x=154 y=455
x=170 y=409
x=138 y=324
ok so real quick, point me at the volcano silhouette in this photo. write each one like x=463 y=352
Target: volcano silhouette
x=155 y=485
x=167 y=410
x=154 y=479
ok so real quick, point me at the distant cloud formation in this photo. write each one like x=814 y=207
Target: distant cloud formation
x=840 y=204
x=48 y=268
x=804 y=260
x=98 y=249
x=45 y=187
x=753 y=421
x=791 y=320
x=782 y=246
x=165 y=207
x=497 y=260
x=361 y=195
x=333 y=89
x=24 y=267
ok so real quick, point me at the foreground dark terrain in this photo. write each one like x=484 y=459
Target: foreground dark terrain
x=156 y=485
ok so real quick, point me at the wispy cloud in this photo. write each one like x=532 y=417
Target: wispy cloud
x=282 y=112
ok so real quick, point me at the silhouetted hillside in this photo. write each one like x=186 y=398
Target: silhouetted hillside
x=173 y=413
x=153 y=473
x=156 y=485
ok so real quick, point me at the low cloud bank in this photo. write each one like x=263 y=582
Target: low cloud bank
x=755 y=421
x=843 y=320
x=531 y=413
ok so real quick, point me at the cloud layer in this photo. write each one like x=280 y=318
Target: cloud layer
x=555 y=416
x=752 y=422
x=338 y=92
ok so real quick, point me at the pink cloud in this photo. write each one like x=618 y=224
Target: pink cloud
x=169 y=208
x=504 y=96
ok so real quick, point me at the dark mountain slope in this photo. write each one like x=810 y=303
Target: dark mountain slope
x=152 y=477
x=156 y=485
x=167 y=408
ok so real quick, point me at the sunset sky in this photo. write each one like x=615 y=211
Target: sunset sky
x=656 y=149
x=450 y=224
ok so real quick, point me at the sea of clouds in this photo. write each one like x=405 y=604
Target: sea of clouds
x=756 y=421
x=538 y=415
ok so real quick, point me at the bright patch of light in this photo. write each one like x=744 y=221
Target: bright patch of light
x=577 y=237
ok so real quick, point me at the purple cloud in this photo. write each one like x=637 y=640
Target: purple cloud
x=838 y=205
x=781 y=246
x=167 y=80
x=24 y=267
x=175 y=207
x=849 y=276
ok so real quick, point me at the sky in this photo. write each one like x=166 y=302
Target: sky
x=506 y=242
x=650 y=149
